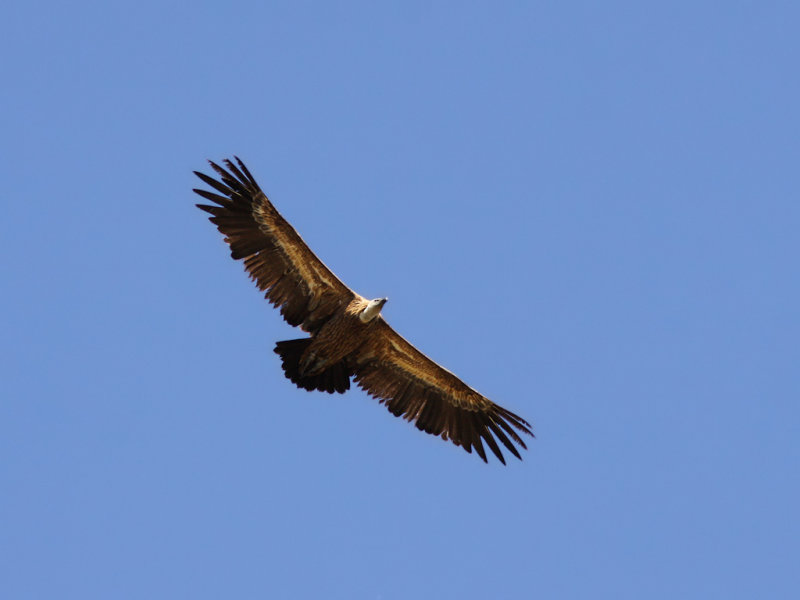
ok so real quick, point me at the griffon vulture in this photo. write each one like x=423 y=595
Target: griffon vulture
x=348 y=335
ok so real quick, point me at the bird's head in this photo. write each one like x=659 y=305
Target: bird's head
x=373 y=309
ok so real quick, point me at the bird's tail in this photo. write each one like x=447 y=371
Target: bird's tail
x=335 y=378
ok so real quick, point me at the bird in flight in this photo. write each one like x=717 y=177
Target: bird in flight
x=348 y=336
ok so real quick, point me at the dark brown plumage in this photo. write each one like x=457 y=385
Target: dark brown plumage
x=348 y=337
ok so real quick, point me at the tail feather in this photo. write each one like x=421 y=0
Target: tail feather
x=335 y=378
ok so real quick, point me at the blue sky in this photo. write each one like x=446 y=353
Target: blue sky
x=589 y=211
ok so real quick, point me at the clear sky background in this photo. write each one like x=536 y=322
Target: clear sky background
x=587 y=210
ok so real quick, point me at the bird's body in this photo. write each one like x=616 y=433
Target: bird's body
x=348 y=336
x=341 y=335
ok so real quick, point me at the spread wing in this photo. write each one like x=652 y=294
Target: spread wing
x=275 y=256
x=413 y=386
